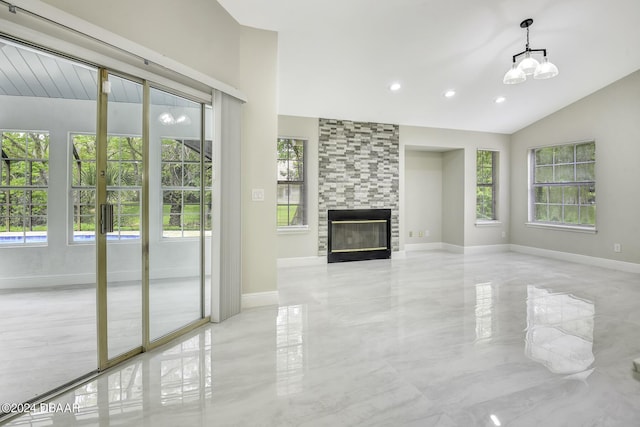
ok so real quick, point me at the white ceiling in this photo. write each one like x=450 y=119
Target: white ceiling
x=337 y=58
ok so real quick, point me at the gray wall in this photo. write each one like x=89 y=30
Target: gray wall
x=611 y=118
x=414 y=138
x=453 y=197
x=421 y=202
x=423 y=187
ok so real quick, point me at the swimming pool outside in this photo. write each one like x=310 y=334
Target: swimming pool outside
x=42 y=238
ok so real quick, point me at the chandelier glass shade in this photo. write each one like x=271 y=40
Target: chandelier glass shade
x=545 y=70
x=529 y=65
x=514 y=75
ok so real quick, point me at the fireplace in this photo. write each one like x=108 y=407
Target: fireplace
x=359 y=234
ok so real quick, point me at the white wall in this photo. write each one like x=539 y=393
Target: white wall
x=423 y=201
x=302 y=243
x=197 y=33
x=611 y=118
x=258 y=68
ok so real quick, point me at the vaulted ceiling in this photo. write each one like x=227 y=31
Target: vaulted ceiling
x=337 y=58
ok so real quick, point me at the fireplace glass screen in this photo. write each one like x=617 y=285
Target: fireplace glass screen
x=358 y=236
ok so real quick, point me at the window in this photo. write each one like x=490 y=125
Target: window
x=124 y=185
x=291 y=183
x=181 y=187
x=486 y=162
x=563 y=189
x=24 y=181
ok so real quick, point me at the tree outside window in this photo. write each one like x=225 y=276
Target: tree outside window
x=124 y=185
x=291 y=183
x=486 y=185
x=181 y=182
x=563 y=189
x=24 y=181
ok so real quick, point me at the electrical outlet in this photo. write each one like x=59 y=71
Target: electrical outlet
x=427 y=233
x=420 y=234
x=411 y=234
x=257 y=195
x=616 y=247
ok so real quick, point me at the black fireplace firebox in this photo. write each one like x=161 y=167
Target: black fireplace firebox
x=359 y=234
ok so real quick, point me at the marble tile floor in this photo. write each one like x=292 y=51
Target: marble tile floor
x=48 y=335
x=436 y=339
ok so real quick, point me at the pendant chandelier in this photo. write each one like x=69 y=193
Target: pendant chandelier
x=529 y=65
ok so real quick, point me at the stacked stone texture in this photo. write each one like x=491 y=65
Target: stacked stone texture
x=359 y=169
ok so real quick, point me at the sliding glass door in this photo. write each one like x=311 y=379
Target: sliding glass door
x=103 y=222
x=47 y=222
x=123 y=171
x=176 y=229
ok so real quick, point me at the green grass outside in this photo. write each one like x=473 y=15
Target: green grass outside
x=283 y=219
x=191 y=217
x=34 y=228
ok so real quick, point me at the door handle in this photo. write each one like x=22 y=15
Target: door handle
x=106 y=218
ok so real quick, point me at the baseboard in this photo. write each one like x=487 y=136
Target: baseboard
x=456 y=249
x=628 y=267
x=410 y=247
x=398 y=255
x=259 y=299
x=486 y=249
x=301 y=261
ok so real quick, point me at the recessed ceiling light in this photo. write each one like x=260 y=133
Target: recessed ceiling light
x=395 y=86
x=450 y=93
x=499 y=99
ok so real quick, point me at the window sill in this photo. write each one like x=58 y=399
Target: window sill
x=494 y=223
x=574 y=228
x=298 y=229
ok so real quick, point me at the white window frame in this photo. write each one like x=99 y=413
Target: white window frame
x=303 y=183
x=494 y=187
x=27 y=187
x=590 y=184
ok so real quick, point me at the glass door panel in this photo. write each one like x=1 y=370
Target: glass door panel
x=175 y=186
x=47 y=281
x=124 y=170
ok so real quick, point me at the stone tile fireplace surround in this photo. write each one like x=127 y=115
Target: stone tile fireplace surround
x=358 y=169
